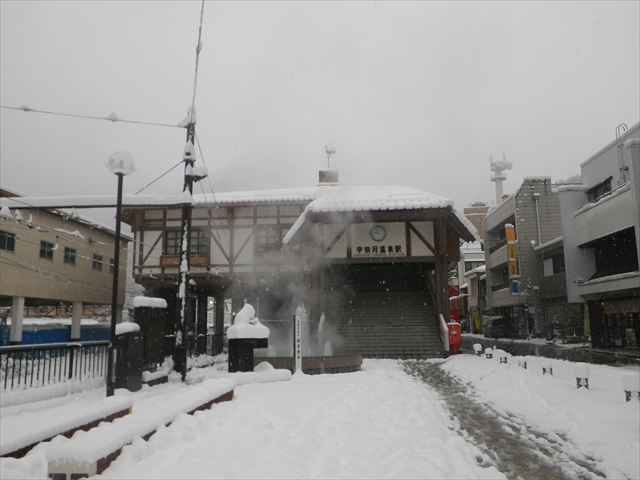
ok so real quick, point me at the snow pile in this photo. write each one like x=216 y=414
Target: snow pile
x=127 y=327
x=20 y=397
x=246 y=325
x=378 y=423
x=264 y=374
x=149 y=302
x=89 y=447
x=50 y=418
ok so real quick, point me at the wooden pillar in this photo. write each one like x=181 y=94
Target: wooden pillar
x=201 y=324
x=318 y=298
x=237 y=299
x=441 y=280
x=218 y=340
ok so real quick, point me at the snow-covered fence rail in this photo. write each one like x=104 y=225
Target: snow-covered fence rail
x=27 y=366
x=87 y=454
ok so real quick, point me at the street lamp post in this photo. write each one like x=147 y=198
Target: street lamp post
x=121 y=164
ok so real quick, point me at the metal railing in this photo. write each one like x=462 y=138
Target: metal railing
x=26 y=366
x=498 y=245
x=499 y=286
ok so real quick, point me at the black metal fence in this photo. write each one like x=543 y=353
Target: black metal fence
x=25 y=366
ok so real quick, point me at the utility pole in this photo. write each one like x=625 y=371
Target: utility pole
x=191 y=175
x=184 y=305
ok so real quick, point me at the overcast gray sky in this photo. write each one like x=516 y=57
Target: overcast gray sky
x=408 y=93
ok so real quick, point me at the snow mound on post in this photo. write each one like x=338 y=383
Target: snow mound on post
x=246 y=325
x=149 y=302
x=127 y=327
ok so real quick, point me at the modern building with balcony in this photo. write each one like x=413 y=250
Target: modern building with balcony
x=514 y=271
x=601 y=232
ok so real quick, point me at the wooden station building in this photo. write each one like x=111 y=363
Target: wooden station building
x=373 y=260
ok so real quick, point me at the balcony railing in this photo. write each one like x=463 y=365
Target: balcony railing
x=498 y=246
x=499 y=286
x=26 y=366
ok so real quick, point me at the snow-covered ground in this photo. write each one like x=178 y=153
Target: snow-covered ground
x=377 y=423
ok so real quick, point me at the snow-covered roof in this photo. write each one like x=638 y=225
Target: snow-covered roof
x=302 y=194
x=341 y=199
x=349 y=199
x=338 y=199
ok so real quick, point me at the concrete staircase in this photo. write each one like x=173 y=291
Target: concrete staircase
x=390 y=325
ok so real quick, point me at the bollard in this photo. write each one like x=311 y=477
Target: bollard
x=631 y=383
x=581 y=371
x=522 y=363
x=477 y=348
x=502 y=355
x=488 y=352
x=547 y=368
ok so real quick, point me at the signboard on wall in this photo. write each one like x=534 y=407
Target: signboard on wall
x=378 y=240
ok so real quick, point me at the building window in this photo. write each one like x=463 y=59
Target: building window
x=69 y=256
x=468 y=266
x=198 y=244
x=267 y=240
x=7 y=241
x=558 y=263
x=112 y=265
x=46 y=250
x=172 y=242
x=97 y=262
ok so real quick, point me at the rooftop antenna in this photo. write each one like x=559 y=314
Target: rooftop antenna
x=329 y=151
x=498 y=167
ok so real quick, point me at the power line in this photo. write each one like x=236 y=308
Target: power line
x=111 y=118
x=154 y=181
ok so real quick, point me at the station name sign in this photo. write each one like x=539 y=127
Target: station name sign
x=378 y=240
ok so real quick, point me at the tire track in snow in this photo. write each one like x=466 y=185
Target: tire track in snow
x=515 y=449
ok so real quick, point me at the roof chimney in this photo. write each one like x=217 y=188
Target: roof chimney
x=328 y=177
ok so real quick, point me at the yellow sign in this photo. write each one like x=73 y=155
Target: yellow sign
x=511 y=252
x=513 y=268
x=511 y=233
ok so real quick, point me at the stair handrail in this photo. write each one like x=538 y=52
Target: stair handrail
x=444 y=331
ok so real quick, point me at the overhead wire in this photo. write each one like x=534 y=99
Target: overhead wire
x=111 y=118
x=154 y=181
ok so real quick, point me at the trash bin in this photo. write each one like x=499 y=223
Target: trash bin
x=455 y=339
x=241 y=353
x=129 y=360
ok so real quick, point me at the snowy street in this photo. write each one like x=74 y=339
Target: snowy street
x=464 y=417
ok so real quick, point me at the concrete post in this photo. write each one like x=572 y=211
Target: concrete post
x=76 y=316
x=17 y=313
